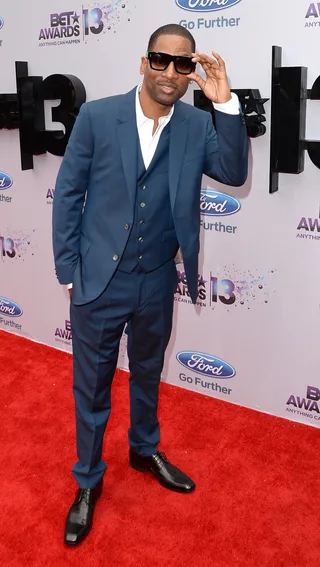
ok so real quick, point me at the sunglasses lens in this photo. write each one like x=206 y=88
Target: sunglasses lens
x=159 y=61
x=184 y=65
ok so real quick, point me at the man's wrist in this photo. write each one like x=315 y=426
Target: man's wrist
x=232 y=106
x=227 y=99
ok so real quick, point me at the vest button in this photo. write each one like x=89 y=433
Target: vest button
x=142 y=205
x=140 y=257
x=140 y=239
x=127 y=226
x=142 y=222
x=115 y=257
x=143 y=187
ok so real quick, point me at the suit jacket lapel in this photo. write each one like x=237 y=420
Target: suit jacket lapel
x=179 y=128
x=128 y=141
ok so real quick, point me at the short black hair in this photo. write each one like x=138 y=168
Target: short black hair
x=171 y=29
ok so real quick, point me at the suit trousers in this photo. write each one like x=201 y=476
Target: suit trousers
x=145 y=302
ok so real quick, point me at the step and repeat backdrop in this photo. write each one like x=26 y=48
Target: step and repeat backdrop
x=253 y=337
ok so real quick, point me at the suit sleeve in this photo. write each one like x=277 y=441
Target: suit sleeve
x=226 y=157
x=69 y=197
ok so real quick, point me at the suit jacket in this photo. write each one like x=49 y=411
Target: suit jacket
x=95 y=189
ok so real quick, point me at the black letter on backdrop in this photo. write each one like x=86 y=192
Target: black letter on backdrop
x=288 y=120
x=25 y=110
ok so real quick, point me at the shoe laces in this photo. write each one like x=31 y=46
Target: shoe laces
x=162 y=456
x=84 y=494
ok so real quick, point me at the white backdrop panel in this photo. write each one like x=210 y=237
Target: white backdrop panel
x=268 y=336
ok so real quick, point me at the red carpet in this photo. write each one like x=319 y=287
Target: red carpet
x=257 y=500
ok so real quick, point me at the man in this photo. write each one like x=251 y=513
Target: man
x=127 y=197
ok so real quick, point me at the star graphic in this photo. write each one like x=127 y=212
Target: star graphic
x=251 y=101
x=255 y=103
x=75 y=18
x=202 y=281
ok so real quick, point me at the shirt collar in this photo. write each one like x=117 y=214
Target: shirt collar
x=142 y=119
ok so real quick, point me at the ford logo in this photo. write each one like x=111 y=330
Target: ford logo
x=205 y=364
x=5 y=181
x=1 y=22
x=205 y=5
x=216 y=204
x=9 y=308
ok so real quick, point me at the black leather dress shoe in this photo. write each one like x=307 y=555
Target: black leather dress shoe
x=167 y=474
x=79 y=519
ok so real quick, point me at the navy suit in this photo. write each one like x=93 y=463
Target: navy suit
x=116 y=230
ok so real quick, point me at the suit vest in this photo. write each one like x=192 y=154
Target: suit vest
x=152 y=240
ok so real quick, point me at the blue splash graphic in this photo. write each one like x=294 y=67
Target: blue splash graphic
x=15 y=244
x=249 y=288
x=113 y=14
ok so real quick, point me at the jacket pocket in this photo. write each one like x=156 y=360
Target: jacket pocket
x=85 y=246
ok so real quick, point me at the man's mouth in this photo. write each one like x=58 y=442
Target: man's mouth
x=167 y=89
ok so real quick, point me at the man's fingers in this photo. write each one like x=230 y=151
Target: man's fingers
x=203 y=58
x=197 y=79
x=218 y=58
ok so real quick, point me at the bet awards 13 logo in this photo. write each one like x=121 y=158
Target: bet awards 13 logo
x=74 y=26
x=66 y=27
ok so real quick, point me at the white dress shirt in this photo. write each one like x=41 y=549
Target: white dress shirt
x=149 y=141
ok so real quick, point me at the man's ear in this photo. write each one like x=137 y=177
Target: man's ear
x=143 y=65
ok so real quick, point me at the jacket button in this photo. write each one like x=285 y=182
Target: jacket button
x=127 y=226
x=140 y=239
x=143 y=187
x=115 y=257
x=142 y=205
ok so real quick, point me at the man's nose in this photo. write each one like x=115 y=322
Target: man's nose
x=170 y=71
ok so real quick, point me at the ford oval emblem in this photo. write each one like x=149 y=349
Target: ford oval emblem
x=206 y=5
x=9 y=308
x=5 y=181
x=217 y=204
x=206 y=364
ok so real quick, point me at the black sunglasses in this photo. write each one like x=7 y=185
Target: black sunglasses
x=161 y=61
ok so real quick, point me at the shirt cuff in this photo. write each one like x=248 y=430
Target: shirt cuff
x=69 y=285
x=230 y=107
